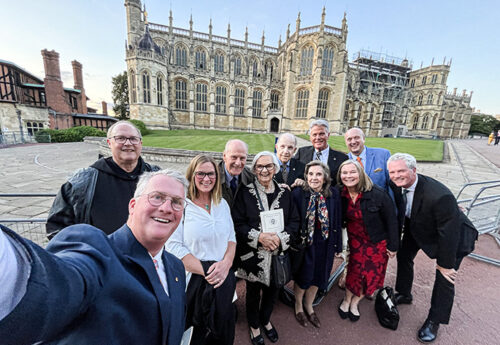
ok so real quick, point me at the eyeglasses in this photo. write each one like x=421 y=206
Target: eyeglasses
x=268 y=167
x=201 y=174
x=157 y=199
x=122 y=140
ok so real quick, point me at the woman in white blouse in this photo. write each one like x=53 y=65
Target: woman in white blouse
x=206 y=245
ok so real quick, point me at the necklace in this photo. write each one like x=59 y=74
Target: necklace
x=207 y=207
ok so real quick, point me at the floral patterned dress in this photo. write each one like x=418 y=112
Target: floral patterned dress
x=367 y=260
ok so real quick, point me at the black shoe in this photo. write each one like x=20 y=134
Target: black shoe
x=353 y=317
x=257 y=340
x=343 y=314
x=428 y=332
x=399 y=298
x=272 y=334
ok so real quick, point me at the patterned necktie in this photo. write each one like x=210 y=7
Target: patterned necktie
x=157 y=266
x=233 y=185
x=358 y=158
x=284 y=173
x=318 y=155
x=405 y=191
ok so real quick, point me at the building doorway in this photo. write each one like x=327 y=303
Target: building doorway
x=275 y=125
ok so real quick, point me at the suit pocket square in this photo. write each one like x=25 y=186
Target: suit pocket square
x=377 y=170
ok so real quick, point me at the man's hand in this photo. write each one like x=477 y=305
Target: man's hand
x=298 y=183
x=448 y=273
x=217 y=273
x=391 y=254
x=269 y=241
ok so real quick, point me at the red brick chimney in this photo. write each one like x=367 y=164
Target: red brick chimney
x=104 y=108
x=78 y=78
x=54 y=90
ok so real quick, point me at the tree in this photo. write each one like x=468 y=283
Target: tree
x=483 y=124
x=120 y=95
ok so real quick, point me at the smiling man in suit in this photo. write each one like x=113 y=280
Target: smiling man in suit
x=373 y=160
x=319 y=132
x=87 y=287
x=291 y=170
x=432 y=221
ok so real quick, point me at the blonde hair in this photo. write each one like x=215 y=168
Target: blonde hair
x=365 y=183
x=216 y=192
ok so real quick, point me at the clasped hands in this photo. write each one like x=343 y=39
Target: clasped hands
x=270 y=241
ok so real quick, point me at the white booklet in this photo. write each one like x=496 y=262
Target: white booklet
x=272 y=221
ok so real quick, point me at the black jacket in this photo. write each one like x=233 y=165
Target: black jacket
x=296 y=170
x=438 y=226
x=379 y=217
x=75 y=200
x=335 y=158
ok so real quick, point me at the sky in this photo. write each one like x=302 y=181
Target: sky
x=94 y=33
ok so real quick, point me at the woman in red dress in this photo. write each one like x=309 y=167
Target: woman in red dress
x=373 y=237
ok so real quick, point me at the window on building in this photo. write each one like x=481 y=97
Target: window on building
x=237 y=66
x=220 y=99
x=34 y=127
x=159 y=90
x=420 y=98
x=424 y=80
x=302 y=103
x=73 y=101
x=181 y=56
x=306 y=60
x=322 y=103
x=275 y=97
x=434 y=79
x=346 y=112
x=255 y=68
x=425 y=121
x=201 y=97
x=257 y=103
x=181 y=94
x=429 y=98
x=200 y=59
x=219 y=62
x=146 y=88
x=412 y=83
x=133 y=95
x=326 y=68
x=415 y=122
x=239 y=102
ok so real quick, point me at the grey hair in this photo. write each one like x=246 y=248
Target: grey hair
x=147 y=176
x=233 y=141
x=409 y=160
x=119 y=123
x=323 y=123
x=266 y=153
x=290 y=135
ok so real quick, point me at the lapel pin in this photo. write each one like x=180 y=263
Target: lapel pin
x=176 y=279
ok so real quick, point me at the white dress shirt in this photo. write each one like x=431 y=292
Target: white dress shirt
x=203 y=235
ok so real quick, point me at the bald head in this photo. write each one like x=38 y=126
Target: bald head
x=355 y=141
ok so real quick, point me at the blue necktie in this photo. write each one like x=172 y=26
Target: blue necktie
x=233 y=185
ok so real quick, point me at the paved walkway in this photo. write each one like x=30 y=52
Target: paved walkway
x=475 y=319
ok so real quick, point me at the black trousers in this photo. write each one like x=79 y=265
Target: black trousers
x=443 y=291
x=259 y=308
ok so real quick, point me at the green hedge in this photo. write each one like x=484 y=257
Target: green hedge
x=67 y=135
x=142 y=127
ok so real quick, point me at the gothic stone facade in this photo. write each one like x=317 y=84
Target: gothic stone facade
x=180 y=78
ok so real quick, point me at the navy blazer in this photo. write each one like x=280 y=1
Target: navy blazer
x=87 y=288
x=295 y=171
x=335 y=158
x=438 y=226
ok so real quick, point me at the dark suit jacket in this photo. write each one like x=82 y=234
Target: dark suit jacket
x=246 y=177
x=335 y=158
x=438 y=226
x=88 y=288
x=296 y=170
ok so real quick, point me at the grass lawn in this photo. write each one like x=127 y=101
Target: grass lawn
x=207 y=140
x=421 y=149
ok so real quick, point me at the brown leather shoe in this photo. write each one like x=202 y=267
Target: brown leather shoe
x=301 y=318
x=314 y=320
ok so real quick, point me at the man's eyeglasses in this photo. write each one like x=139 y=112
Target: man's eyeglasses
x=268 y=167
x=122 y=140
x=157 y=199
x=201 y=174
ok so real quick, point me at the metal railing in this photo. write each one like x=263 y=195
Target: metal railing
x=486 y=217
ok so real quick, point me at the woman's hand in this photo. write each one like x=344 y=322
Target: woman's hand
x=218 y=272
x=298 y=183
x=391 y=254
x=270 y=241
